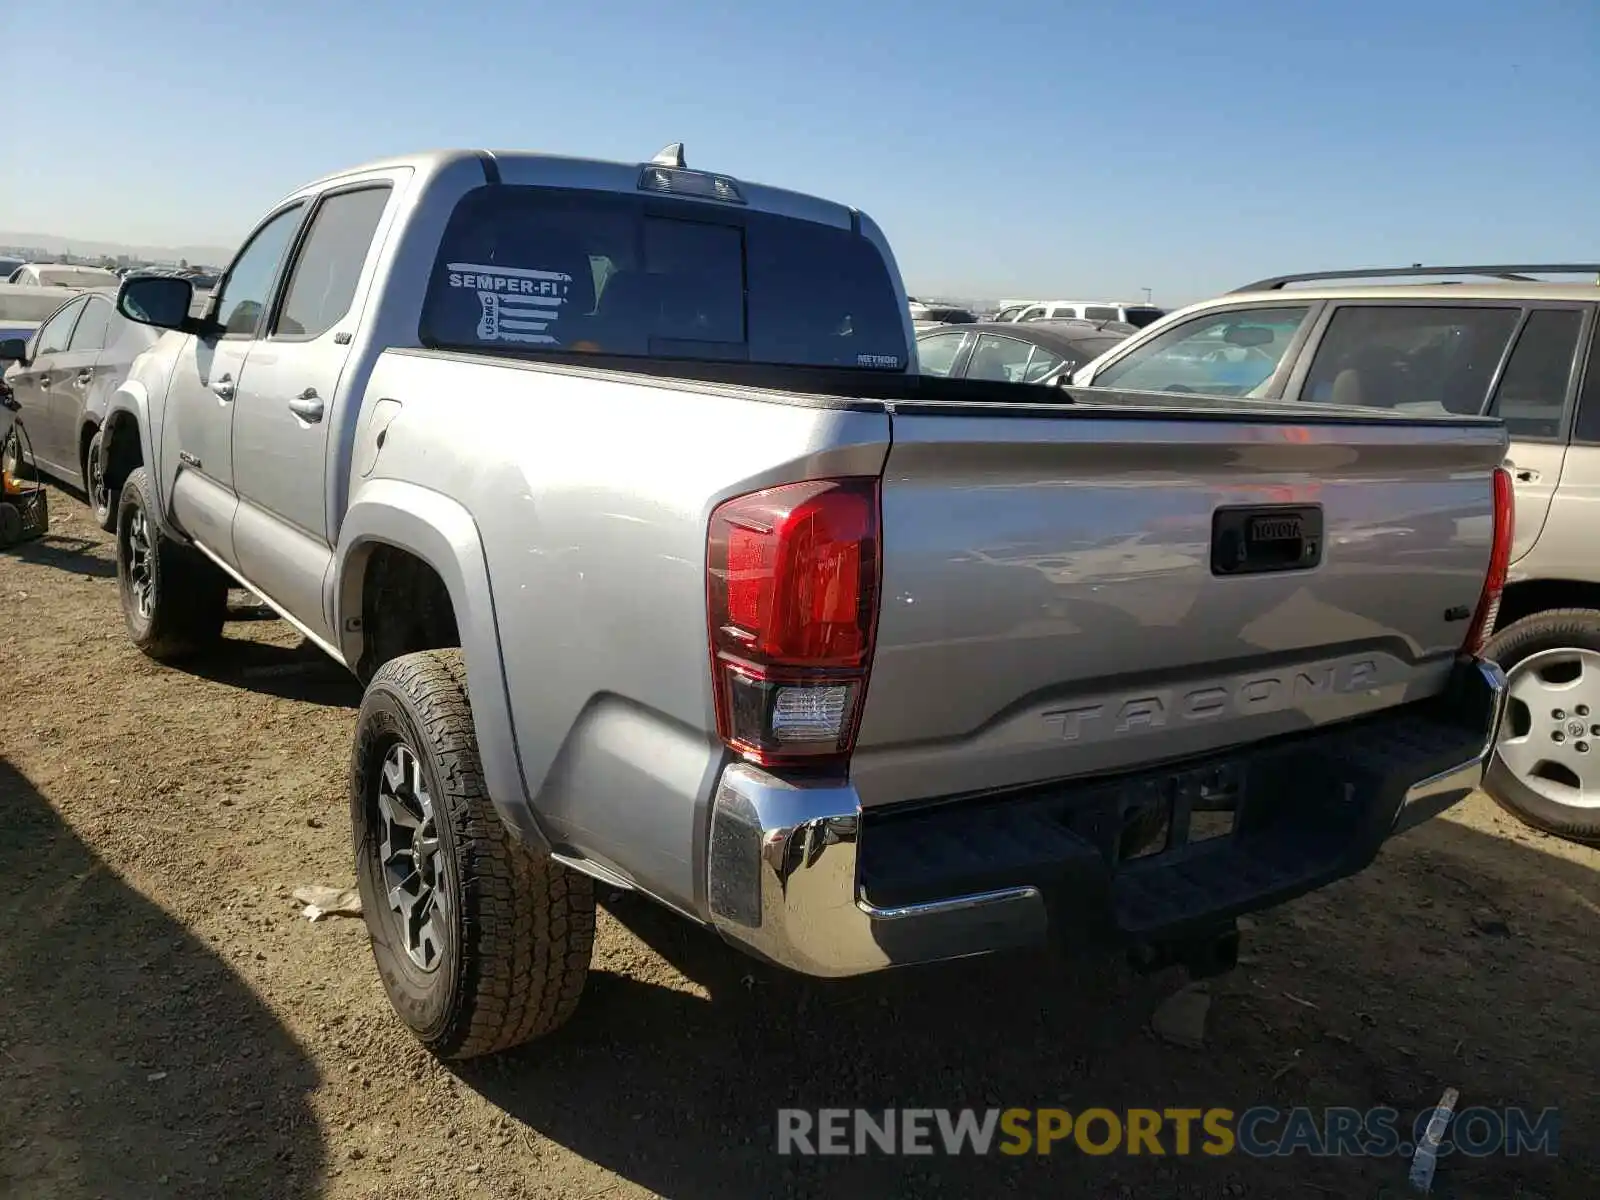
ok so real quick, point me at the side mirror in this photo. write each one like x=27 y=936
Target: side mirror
x=14 y=350
x=159 y=300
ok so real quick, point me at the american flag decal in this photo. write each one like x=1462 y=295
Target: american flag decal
x=519 y=303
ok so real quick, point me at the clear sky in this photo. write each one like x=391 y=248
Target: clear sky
x=1010 y=147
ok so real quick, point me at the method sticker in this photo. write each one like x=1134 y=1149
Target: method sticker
x=877 y=360
x=519 y=304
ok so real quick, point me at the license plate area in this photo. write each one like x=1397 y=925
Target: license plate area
x=1181 y=812
x=1252 y=540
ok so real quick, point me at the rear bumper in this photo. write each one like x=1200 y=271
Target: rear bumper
x=799 y=875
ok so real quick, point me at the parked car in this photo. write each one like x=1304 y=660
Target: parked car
x=1138 y=315
x=1038 y=352
x=8 y=265
x=22 y=308
x=925 y=316
x=1518 y=349
x=62 y=379
x=615 y=483
x=63 y=275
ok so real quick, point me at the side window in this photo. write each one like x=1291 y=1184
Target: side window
x=1413 y=358
x=1033 y=313
x=1001 y=359
x=936 y=355
x=249 y=282
x=1007 y=314
x=1586 y=427
x=91 y=331
x=1067 y=312
x=1229 y=353
x=1532 y=395
x=1040 y=364
x=1101 y=313
x=323 y=280
x=56 y=334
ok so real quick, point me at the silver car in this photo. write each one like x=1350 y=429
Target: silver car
x=79 y=355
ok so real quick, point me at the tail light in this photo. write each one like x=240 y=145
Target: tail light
x=1494 y=582
x=792 y=602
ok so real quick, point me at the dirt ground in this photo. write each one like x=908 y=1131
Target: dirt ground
x=170 y=1026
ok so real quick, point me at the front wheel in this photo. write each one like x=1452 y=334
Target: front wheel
x=481 y=942
x=1546 y=767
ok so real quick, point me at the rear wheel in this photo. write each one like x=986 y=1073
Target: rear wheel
x=1546 y=767
x=481 y=942
x=174 y=600
x=102 y=498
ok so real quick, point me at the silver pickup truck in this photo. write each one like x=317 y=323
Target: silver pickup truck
x=617 y=487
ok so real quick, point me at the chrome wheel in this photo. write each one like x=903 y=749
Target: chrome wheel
x=414 y=872
x=99 y=494
x=141 y=576
x=1550 y=739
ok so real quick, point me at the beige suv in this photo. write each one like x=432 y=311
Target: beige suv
x=1510 y=344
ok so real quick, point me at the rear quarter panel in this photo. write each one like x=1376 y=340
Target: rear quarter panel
x=591 y=493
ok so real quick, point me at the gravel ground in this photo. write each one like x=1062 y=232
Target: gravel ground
x=171 y=1027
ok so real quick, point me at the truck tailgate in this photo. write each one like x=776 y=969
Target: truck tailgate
x=1052 y=604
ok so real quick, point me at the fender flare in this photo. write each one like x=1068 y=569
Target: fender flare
x=131 y=402
x=443 y=534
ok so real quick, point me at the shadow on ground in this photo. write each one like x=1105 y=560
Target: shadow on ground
x=133 y=1062
x=74 y=555
x=1379 y=991
x=299 y=672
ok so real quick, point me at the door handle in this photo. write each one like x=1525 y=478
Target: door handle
x=223 y=388
x=307 y=406
x=1525 y=475
x=85 y=376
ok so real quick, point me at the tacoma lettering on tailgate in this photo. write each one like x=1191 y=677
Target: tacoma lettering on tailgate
x=1243 y=695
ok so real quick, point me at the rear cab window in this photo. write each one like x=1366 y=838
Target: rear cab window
x=550 y=270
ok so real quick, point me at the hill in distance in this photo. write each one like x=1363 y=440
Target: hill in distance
x=54 y=244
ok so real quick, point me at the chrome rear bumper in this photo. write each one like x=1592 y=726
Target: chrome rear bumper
x=785 y=879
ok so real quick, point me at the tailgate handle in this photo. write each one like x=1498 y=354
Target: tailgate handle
x=1252 y=540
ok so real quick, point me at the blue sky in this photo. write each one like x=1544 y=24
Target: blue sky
x=1008 y=148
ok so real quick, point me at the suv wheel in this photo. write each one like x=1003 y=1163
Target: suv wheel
x=481 y=942
x=174 y=600
x=1546 y=767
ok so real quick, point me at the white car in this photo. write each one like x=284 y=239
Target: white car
x=1138 y=315
x=63 y=275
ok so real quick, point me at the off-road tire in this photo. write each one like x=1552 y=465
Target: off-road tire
x=103 y=506
x=1558 y=629
x=521 y=927
x=189 y=603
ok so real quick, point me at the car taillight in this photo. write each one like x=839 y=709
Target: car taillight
x=792 y=599
x=1499 y=564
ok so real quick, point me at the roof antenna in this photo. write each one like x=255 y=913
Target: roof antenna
x=670 y=156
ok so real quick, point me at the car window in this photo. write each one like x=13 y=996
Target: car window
x=1033 y=313
x=1001 y=359
x=1007 y=314
x=936 y=354
x=1099 y=312
x=322 y=282
x=517 y=269
x=244 y=295
x=1040 y=363
x=1532 y=395
x=54 y=337
x=1230 y=353
x=1140 y=317
x=1411 y=358
x=90 y=333
x=1064 y=312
